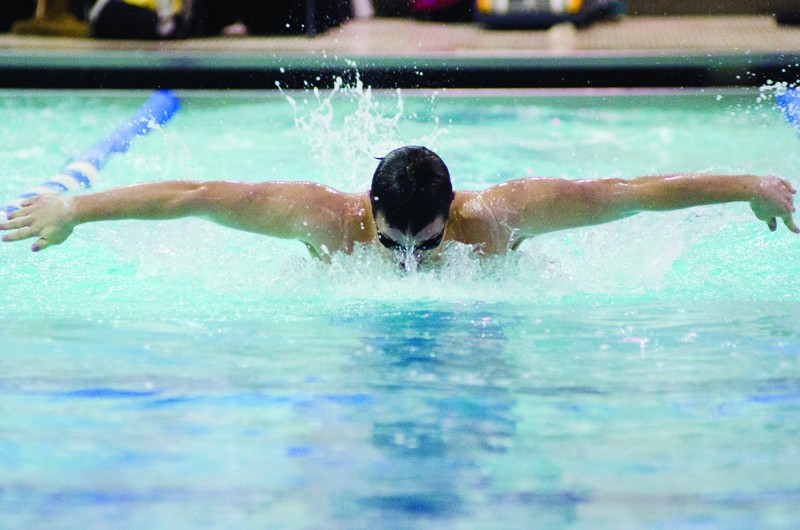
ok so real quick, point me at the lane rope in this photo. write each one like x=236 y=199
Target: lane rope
x=789 y=103
x=81 y=172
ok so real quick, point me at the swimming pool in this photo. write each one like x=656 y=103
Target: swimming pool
x=644 y=373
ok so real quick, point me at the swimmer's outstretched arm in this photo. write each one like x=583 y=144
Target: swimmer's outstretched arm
x=309 y=212
x=535 y=206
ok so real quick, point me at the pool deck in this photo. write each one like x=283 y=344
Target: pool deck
x=629 y=52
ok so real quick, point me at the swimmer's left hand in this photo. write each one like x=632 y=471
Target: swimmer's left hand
x=775 y=199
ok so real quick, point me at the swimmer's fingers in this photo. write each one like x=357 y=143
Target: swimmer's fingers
x=23 y=210
x=43 y=216
x=19 y=235
x=16 y=222
x=775 y=201
x=20 y=225
x=51 y=236
x=29 y=201
x=47 y=237
x=788 y=220
x=41 y=244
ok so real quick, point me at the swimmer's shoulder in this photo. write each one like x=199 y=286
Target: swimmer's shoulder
x=494 y=216
x=333 y=220
x=326 y=198
x=356 y=212
x=473 y=221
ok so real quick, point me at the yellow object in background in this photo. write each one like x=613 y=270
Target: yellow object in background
x=518 y=6
x=153 y=5
x=574 y=6
x=544 y=14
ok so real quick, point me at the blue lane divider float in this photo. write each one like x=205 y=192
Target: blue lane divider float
x=789 y=103
x=81 y=172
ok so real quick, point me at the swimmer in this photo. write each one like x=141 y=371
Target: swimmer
x=409 y=211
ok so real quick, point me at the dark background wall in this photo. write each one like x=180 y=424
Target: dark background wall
x=11 y=10
x=707 y=7
x=651 y=7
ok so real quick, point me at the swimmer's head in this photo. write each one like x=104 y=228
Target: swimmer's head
x=411 y=195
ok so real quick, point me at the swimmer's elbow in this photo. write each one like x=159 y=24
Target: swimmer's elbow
x=207 y=199
x=172 y=199
x=606 y=200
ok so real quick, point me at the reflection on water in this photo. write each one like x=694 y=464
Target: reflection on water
x=404 y=416
x=444 y=412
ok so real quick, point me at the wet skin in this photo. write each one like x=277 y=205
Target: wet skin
x=492 y=221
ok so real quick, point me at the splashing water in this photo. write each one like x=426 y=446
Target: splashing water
x=768 y=92
x=182 y=266
x=347 y=128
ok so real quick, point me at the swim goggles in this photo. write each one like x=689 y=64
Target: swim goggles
x=428 y=244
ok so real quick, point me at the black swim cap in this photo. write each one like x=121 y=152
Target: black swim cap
x=411 y=187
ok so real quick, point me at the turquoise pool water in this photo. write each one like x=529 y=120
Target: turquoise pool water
x=642 y=374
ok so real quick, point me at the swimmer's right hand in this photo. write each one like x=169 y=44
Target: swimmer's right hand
x=47 y=216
